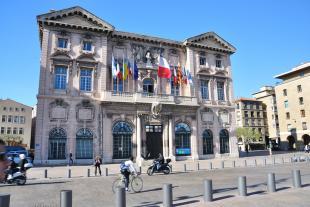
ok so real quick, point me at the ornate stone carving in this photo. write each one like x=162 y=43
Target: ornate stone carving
x=156 y=110
x=137 y=52
x=85 y=111
x=58 y=110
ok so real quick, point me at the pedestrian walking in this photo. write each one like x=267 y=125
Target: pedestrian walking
x=70 y=159
x=97 y=164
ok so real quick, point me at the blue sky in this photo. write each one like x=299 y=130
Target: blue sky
x=271 y=37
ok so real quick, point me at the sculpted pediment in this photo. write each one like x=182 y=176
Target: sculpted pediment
x=212 y=40
x=75 y=16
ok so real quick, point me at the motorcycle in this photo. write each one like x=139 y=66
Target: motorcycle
x=165 y=168
x=17 y=177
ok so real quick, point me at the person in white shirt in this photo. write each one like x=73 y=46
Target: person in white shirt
x=128 y=168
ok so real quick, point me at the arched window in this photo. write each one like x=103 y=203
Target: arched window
x=148 y=86
x=182 y=139
x=84 y=144
x=122 y=133
x=207 y=142
x=57 y=144
x=224 y=141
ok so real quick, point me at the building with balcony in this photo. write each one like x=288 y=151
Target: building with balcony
x=251 y=113
x=293 y=103
x=84 y=108
x=15 y=124
x=268 y=97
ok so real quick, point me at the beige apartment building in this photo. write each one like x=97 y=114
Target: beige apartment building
x=268 y=97
x=83 y=108
x=251 y=113
x=15 y=125
x=293 y=103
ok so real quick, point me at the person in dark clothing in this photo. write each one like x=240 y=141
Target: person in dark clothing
x=70 y=158
x=97 y=164
x=160 y=160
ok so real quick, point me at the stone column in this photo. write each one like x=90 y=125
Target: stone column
x=166 y=138
x=216 y=131
x=108 y=138
x=171 y=138
x=138 y=133
x=194 y=140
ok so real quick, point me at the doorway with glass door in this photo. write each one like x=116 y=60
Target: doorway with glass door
x=154 y=141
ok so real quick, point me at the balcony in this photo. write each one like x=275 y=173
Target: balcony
x=138 y=97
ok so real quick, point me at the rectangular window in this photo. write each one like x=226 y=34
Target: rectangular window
x=14 y=130
x=17 y=109
x=60 y=77
x=4 y=108
x=9 y=118
x=87 y=45
x=258 y=114
x=299 y=89
x=302 y=113
x=21 y=119
x=21 y=131
x=62 y=43
x=259 y=122
x=246 y=114
x=284 y=92
x=286 y=104
x=175 y=88
x=220 y=91
x=8 y=130
x=252 y=114
x=204 y=89
x=22 y=109
x=301 y=100
x=16 y=119
x=3 y=118
x=2 y=130
x=288 y=115
x=202 y=60
x=86 y=80
x=304 y=125
x=11 y=109
x=246 y=122
x=218 y=63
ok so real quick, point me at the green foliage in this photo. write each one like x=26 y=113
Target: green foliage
x=248 y=134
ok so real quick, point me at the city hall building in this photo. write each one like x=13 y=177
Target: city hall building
x=100 y=93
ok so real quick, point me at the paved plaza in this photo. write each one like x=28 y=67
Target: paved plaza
x=187 y=186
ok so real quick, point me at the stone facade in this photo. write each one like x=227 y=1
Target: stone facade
x=15 y=125
x=112 y=112
x=293 y=103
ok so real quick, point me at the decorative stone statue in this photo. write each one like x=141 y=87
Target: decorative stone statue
x=156 y=109
x=148 y=57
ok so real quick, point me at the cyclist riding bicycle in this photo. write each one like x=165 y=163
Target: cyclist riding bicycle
x=127 y=168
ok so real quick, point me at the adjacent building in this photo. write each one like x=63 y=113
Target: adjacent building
x=293 y=103
x=268 y=97
x=99 y=93
x=251 y=113
x=15 y=125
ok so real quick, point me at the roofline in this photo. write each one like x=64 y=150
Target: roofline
x=8 y=99
x=294 y=70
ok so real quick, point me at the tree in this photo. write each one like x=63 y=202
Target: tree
x=248 y=135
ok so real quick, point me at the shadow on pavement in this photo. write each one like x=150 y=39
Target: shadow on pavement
x=38 y=183
x=223 y=197
x=257 y=192
x=186 y=203
x=282 y=188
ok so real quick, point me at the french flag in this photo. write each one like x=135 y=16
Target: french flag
x=163 y=68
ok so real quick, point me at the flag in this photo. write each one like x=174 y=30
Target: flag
x=114 y=69
x=179 y=74
x=189 y=77
x=175 y=80
x=125 y=69
x=118 y=73
x=135 y=71
x=129 y=69
x=163 y=68
x=184 y=76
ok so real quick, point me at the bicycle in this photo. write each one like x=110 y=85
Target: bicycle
x=135 y=182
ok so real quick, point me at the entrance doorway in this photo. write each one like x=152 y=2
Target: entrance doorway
x=154 y=140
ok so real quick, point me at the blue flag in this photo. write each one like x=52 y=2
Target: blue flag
x=135 y=71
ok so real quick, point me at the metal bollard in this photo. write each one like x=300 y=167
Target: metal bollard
x=208 y=192
x=167 y=202
x=296 y=179
x=106 y=172
x=265 y=162
x=255 y=163
x=245 y=163
x=140 y=170
x=69 y=173
x=184 y=167
x=282 y=160
x=271 y=183
x=88 y=172
x=222 y=164
x=66 y=198
x=5 y=200
x=198 y=167
x=233 y=164
x=45 y=173
x=120 y=197
x=210 y=166
x=242 y=186
x=274 y=161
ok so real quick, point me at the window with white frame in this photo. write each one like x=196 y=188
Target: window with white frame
x=62 y=43
x=2 y=130
x=204 y=89
x=60 y=81
x=220 y=91
x=86 y=79
x=21 y=131
x=4 y=108
x=304 y=125
x=14 y=130
x=21 y=119
x=87 y=45
x=3 y=118
x=16 y=119
x=218 y=63
x=202 y=60
x=8 y=130
x=9 y=118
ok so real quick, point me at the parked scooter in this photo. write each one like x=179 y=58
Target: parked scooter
x=165 y=168
x=17 y=177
